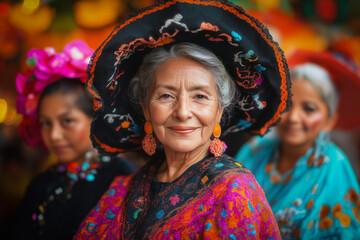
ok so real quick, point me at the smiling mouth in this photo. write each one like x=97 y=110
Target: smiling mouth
x=60 y=149
x=293 y=130
x=183 y=130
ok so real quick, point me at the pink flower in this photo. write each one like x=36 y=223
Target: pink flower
x=79 y=54
x=39 y=59
x=174 y=200
x=20 y=82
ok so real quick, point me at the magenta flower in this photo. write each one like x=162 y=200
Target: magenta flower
x=20 y=82
x=79 y=54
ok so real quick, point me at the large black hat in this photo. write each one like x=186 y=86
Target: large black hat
x=242 y=43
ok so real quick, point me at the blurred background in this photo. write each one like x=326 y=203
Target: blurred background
x=26 y=24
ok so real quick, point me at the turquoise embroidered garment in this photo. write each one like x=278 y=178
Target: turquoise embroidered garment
x=318 y=199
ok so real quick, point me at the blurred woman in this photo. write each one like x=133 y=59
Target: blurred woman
x=306 y=178
x=177 y=75
x=57 y=114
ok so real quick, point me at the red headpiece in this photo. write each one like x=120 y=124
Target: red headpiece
x=344 y=77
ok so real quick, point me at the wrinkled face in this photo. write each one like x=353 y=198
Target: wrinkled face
x=307 y=116
x=183 y=105
x=65 y=129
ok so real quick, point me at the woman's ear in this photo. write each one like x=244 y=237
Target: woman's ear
x=219 y=114
x=145 y=111
x=331 y=122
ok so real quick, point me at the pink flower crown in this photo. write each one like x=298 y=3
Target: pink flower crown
x=45 y=66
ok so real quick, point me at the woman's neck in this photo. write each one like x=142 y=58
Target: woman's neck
x=177 y=163
x=289 y=155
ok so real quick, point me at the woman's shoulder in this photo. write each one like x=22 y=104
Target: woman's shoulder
x=226 y=164
x=229 y=171
x=335 y=153
x=335 y=160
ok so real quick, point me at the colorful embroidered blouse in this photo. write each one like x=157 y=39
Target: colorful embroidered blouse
x=318 y=199
x=215 y=198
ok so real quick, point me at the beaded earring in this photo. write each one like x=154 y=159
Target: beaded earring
x=149 y=143
x=217 y=147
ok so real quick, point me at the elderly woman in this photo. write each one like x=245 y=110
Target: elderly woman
x=193 y=68
x=307 y=179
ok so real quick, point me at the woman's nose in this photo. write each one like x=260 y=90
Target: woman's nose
x=293 y=115
x=183 y=108
x=56 y=132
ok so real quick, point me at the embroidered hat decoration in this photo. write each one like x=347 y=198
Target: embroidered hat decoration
x=345 y=78
x=254 y=61
x=45 y=66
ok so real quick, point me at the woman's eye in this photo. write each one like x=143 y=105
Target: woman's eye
x=309 y=109
x=165 y=96
x=201 y=96
x=45 y=123
x=67 y=121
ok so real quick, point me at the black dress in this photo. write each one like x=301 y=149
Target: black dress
x=56 y=202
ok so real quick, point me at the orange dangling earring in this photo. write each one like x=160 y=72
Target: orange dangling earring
x=217 y=147
x=149 y=143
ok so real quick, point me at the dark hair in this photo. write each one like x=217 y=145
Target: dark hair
x=71 y=86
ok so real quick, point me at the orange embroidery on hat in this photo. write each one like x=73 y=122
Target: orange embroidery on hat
x=164 y=42
x=96 y=104
x=229 y=38
x=139 y=44
x=209 y=26
x=248 y=78
x=112 y=149
x=125 y=124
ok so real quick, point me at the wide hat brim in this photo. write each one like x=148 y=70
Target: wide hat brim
x=345 y=79
x=243 y=44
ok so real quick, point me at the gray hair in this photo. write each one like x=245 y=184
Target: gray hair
x=321 y=80
x=140 y=84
